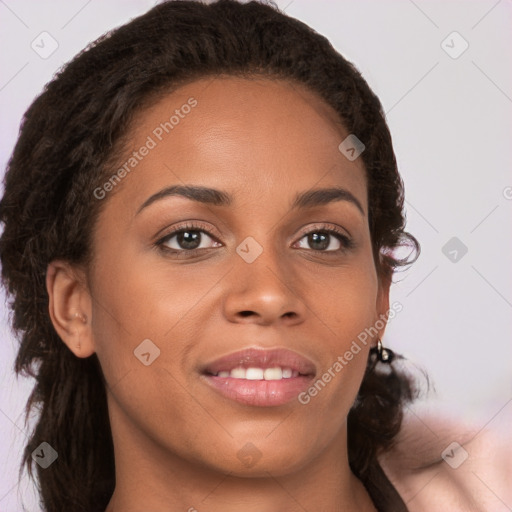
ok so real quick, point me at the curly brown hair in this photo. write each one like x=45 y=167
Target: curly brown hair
x=70 y=135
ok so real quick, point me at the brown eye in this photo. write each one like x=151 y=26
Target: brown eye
x=326 y=240
x=186 y=238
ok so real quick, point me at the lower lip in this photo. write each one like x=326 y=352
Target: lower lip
x=260 y=393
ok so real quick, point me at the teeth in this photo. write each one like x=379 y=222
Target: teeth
x=273 y=374
x=237 y=373
x=276 y=373
x=287 y=373
x=254 y=374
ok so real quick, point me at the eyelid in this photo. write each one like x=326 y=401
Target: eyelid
x=326 y=226
x=195 y=225
x=346 y=240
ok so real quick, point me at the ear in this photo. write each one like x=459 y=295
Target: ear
x=70 y=306
x=382 y=304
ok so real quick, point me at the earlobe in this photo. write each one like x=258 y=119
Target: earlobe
x=70 y=307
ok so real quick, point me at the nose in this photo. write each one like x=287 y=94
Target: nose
x=264 y=292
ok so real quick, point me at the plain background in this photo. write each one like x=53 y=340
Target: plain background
x=451 y=123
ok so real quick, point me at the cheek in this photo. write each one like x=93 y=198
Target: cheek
x=140 y=309
x=347 y=301
x=140 y=299
x=347 y=313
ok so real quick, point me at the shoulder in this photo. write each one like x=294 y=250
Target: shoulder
x=439 y=463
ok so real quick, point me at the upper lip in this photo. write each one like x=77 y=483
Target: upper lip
x=261 y=358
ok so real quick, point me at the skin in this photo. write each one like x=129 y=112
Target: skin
x=177 y=442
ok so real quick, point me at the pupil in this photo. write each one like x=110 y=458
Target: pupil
x=315 y=237
x=188 y=239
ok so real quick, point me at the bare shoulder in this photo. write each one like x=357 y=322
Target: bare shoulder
x=439 y=463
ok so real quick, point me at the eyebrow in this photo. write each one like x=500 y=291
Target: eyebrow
x=205 y=195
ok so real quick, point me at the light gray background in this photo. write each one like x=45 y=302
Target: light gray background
x=451 y=123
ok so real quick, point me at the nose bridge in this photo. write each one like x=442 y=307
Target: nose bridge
x=263 y=282
x=262 y=259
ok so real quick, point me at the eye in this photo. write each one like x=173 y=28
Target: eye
x=327 y=239
x=186 y=238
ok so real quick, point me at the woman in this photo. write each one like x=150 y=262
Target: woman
x=200 y=220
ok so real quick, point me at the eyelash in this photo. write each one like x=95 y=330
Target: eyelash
x=346 y=242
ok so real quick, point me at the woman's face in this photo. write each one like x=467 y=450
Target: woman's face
x=161 y=311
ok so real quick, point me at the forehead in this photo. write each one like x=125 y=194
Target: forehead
x=229 y=132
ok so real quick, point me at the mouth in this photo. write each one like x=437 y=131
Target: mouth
x=260 y=377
